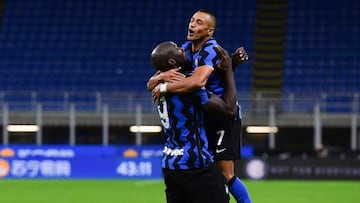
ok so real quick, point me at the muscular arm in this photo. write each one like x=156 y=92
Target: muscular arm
x=192 y=83
x=212 y=104
x=169 y=76
x=187 y=85
x=153 y=81
x=230 y=93
x=217 y=107
x=228 y=65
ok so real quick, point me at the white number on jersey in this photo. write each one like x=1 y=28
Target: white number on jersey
x=163 y=113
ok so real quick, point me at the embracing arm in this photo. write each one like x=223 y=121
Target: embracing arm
x=217 y=107
x=153 y=81
x=187 y=85
x=230 y=93
x=192 y=83
x=169 y=76
x=212 y=104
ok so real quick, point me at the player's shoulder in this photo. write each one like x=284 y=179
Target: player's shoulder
x=212 y=42
x=209 y=46
x=186 y=45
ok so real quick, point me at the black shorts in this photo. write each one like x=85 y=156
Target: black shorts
x=224 y=138
x=196 y=186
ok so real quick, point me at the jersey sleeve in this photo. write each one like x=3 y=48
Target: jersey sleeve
x=209 y=57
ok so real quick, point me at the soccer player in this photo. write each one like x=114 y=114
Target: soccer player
x=189 y=171
x=223 y=133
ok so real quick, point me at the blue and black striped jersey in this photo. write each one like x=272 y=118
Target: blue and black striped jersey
x=207 y=55
x=186 y=145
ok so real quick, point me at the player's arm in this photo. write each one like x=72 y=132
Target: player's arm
x=169 y=76
x=192 y=83
x=212 y=104
x=187 y=85
x=230 y=93
x=217 y=107
x=153 y=81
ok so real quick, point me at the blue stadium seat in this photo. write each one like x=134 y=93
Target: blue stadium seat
x=104 y=46
x=322 y=43
x=64 y=43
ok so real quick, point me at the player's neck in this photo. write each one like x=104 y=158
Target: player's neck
x=197 y=44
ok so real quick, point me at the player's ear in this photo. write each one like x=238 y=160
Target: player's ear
x=210 y=31
x=171 y=61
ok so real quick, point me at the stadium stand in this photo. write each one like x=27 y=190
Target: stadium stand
x=72 y=47
x=89 y=47
x=322 y=55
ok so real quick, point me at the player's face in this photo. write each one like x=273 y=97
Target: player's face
x=199 y=26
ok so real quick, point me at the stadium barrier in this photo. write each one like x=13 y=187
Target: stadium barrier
x=299 y=168
x=80 y=162
x=62 y=161
x=144 y=162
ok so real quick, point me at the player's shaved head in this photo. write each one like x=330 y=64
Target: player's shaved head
x=167 y=55
x=212 y=22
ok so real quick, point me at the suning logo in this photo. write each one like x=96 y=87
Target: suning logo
x=173 y=152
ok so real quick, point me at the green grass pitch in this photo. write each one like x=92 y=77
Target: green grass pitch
x=152 y=191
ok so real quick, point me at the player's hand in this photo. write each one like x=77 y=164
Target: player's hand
x=239 y=57
x=225 y=62
x=172 y=75
x=155 y=93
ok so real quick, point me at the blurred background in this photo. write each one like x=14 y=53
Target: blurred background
x=74 y=72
